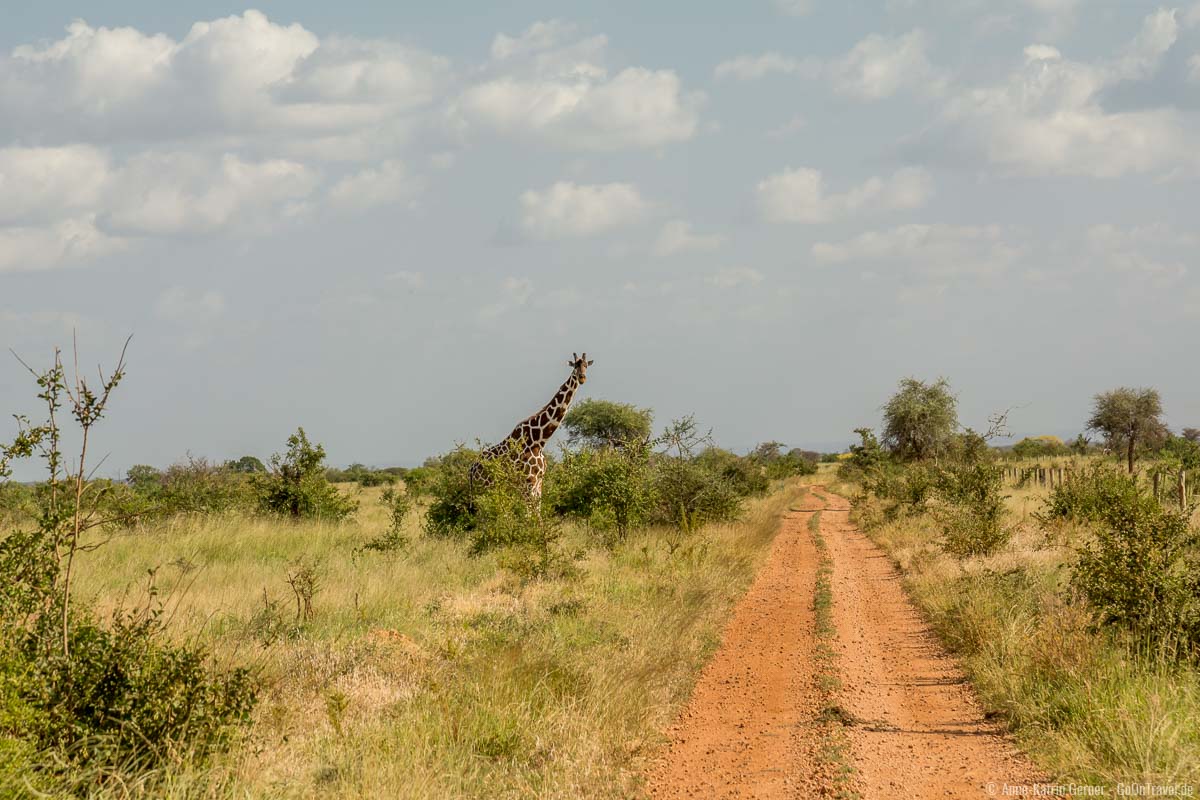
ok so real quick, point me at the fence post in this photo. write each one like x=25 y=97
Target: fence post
x=1182 y=489
x=1156 y=486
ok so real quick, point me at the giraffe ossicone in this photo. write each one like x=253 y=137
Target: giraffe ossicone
x=526 y=443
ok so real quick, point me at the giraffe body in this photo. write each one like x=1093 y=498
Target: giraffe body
x=527 y=442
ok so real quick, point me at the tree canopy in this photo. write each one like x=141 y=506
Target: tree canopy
x=920 y=420
x=604 y=423
x=1128 y=418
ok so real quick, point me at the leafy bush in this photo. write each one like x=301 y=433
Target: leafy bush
x=1142 y=572
x=1039 y=447
x=972 y=509
x=448 y=481
x=79 y=699
x=296 y=485
x=777 y=465
x=399 y=506
x=124 y=697
x=688 y=494
x=789 y=465
x=362 y=475
x=612 y=489
x=746 y=476
x=1090 y=494
x=866 y=458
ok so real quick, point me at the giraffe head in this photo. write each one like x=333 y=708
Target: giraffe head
x=580 y=366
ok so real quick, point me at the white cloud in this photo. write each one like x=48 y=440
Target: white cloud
x=677 y=237
x=880 y=66
x=876 y=67
x=1041 y=52
x=242 y=76
x=167 y=194
x=1048 y=118
x=374 y=186
x=45 y=183
x=567 y=209
x=563 y=95
x=69 y=241
x=185 y=306
x=799 y=195
x=734 y=277
x=537 y=38
x=938 y=250
x=748 y=67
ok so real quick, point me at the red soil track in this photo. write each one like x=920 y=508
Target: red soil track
x=751 y=729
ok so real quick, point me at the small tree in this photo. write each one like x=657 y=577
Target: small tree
x=296 y=485
x=604 y=423
x=247 y=464
x=1128 y=418
x=920 y=419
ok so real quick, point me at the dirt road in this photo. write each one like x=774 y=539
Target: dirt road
x=871 y=706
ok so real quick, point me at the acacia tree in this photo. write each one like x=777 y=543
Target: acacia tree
x=604 y=423
x=920 y=420
x=1128 y=418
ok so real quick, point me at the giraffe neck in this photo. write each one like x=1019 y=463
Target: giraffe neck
x=538 y=429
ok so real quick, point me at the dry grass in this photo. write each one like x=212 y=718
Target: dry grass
x=1089 y=708
x=430 y=673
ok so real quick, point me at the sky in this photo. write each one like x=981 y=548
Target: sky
x=392 y=224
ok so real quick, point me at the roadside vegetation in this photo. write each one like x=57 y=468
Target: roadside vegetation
x=1074 y=604
x=252 y=629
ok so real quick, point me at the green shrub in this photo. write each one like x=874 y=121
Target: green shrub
x=972 y=509
x=447 y=480
x=399 y=506
x=866 y=458
x=746 y=476
x=776 y=465
x=1090 y=494
x=1039 y=447
x=611 y=488
x=688 y=494
x=82 y=703
x=296 y=485
x=362 y=475
x=789 y=465
x=1142 y=572
x=125 y=697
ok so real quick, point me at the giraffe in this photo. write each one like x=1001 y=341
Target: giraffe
x=528 y=440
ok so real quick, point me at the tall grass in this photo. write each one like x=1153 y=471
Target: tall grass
x=431 y=673
x=1090 y=707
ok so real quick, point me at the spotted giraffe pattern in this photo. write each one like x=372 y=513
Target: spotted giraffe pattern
x=528 y=440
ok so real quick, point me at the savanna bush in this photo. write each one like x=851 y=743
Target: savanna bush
x=82 y=702
x=447 y=480
x=689 y=494
x=747 y=476
x=971 y=509
x=296 y=485
x=124 y=697
x=1142 y=571
x=611 y=488
x=1091 y=494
